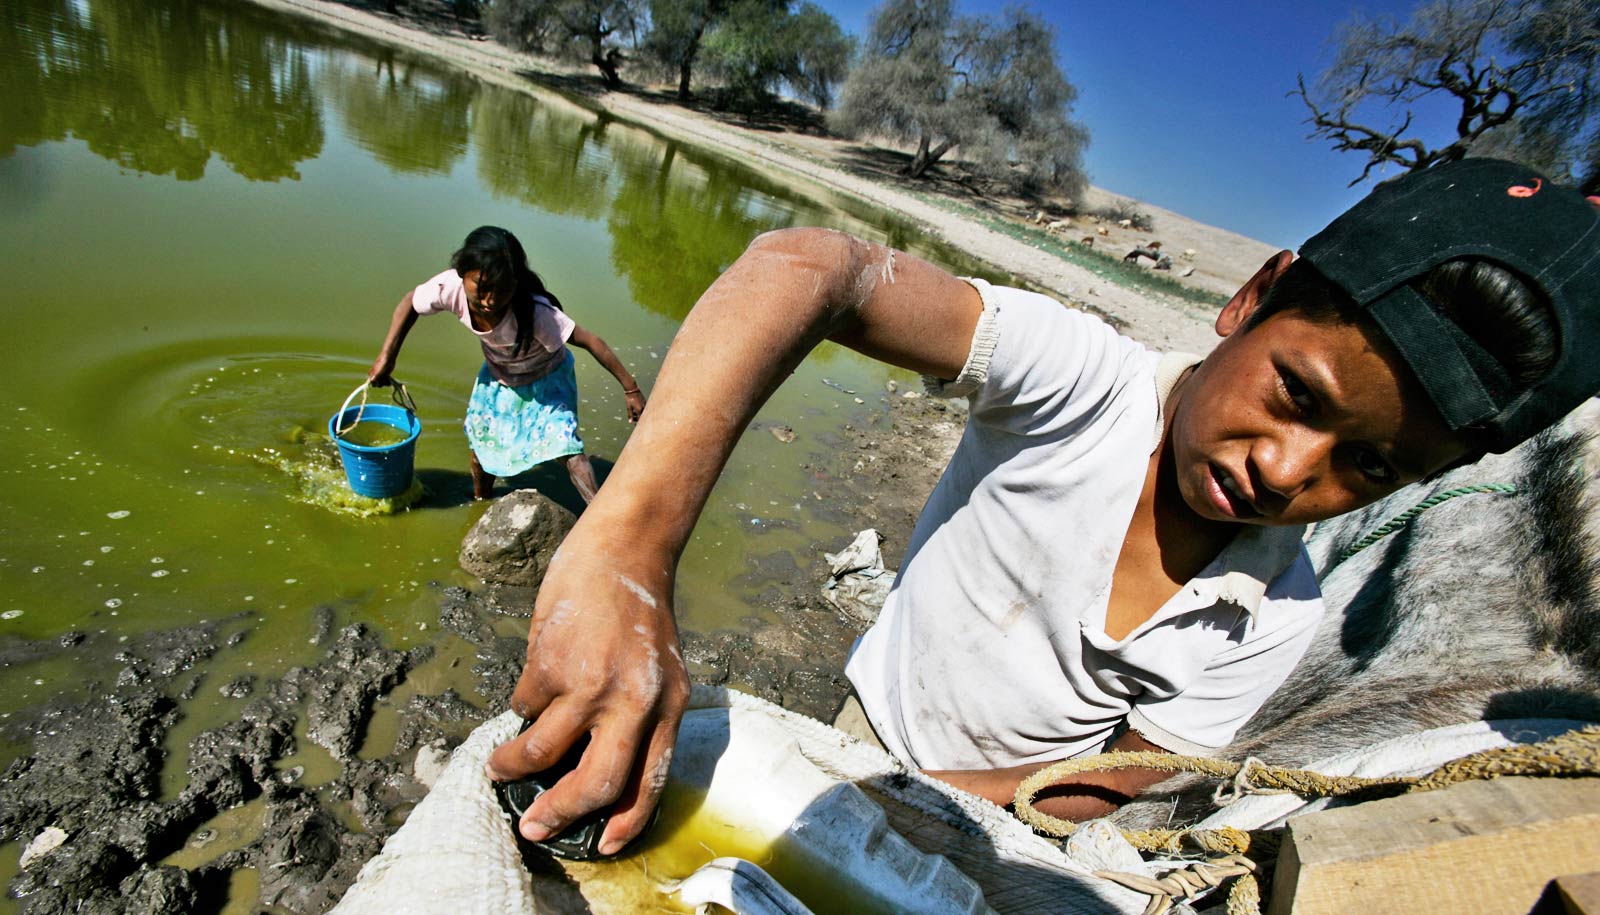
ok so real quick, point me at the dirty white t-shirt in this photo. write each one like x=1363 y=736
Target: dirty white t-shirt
x=991 y=650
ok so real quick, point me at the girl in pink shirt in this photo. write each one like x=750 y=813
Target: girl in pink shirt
x=524 y=406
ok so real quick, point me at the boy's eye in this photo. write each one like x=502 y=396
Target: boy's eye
x=1374 y=467
x=1296 y=391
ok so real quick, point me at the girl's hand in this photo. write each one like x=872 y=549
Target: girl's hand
x=379 y=376
x=635 y=401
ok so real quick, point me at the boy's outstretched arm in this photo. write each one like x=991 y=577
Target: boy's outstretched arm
x=1082 y=797
x=399 y=325
x=603 y=354
x=603 y=655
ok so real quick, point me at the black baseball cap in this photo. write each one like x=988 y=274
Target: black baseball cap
x=1510 y=215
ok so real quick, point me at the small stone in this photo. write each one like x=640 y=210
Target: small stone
x=430 y=764
x=513 y=542
x=47 y=841
x=783 y=434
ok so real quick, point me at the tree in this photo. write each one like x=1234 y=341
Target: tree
x=677 y=31
x=761 y=45
x=820 y=53
x=991 y=86
x=574 y=29
x=1519 y=77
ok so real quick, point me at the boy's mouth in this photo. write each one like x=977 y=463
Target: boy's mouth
x=1226 y=495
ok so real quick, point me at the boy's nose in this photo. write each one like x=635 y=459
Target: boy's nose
x=1289 y=464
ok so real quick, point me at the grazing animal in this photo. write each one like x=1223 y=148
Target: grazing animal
x=1486 y=606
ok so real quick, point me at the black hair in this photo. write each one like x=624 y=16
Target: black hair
x=1503 y=314
x=500 y=261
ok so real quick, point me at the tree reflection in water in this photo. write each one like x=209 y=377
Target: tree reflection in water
x=159 y=89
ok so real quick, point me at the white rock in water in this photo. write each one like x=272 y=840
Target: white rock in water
x=47 y=841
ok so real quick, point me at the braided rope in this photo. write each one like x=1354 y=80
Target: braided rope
x=1244 y=897
x=1401 y=520
x=1573 y=754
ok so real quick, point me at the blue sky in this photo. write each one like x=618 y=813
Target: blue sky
x=1187 y=104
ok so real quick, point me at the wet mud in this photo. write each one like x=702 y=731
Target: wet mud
x=84 y=793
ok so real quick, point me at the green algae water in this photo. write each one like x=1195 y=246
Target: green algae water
x=369 y=433
x=208 y=212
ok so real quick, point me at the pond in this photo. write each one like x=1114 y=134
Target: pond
x=208 y=211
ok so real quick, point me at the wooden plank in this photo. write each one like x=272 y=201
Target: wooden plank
x=1580 y=893
x=1478 y=848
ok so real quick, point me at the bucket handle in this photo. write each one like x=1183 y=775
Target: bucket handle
x=402 y=398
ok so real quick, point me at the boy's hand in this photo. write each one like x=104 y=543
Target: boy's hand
x=603 y=659
x=635 y=402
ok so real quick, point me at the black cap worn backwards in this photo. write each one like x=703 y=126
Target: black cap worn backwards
x=1495 y=211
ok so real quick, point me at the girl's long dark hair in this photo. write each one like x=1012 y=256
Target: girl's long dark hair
x=500 y=261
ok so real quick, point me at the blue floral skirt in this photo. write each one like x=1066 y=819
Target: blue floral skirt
x=516 y=429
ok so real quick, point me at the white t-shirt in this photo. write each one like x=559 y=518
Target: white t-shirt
x=551 y=329
x=991 y=649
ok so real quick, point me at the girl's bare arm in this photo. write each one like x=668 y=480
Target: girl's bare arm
x=586 y=340
x=399 y=326
x=603 y=655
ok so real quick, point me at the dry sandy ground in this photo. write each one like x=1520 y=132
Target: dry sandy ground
x=1223 y=259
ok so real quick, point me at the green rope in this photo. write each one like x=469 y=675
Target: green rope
x=1405 y=517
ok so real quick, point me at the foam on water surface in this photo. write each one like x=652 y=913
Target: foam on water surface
x=318 y=478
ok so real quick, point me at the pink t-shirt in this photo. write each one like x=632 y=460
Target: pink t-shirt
x=551 y=329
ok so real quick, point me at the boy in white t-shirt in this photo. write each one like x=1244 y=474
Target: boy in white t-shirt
x=1112 y=559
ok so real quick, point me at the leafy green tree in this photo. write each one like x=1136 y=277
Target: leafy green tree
x=584 y=30
x=988 y=85
x=820 y=54
x=677 y=33
x=1520 y=77
x=761 y=46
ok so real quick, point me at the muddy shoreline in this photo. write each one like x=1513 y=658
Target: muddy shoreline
x=84 y=798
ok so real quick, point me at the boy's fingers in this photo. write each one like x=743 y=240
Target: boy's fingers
x=643 y=793
x=531 y=696
x=540 y=746
x=598 y=781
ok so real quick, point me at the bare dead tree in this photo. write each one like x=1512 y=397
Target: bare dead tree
x=1504 y=66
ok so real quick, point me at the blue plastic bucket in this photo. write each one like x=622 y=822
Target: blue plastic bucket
x=383 y=471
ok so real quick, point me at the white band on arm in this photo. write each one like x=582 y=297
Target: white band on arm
x=984 y=337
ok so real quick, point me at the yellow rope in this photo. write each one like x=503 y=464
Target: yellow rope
x=1575 y=753
x=1244 y=898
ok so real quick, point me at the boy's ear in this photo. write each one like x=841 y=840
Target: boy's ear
x=1248 y=298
